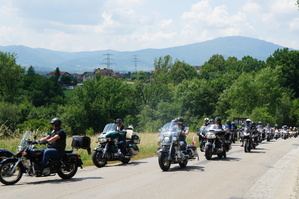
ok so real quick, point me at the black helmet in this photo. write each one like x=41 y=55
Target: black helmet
x=212 y=121
x=56 y=121
x=218 y=119
x=118 y=120
x=179 y=119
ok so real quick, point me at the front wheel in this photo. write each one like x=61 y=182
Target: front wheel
x=208 y=152
x=164 y=163
x=6 y=176
x=68 y=172
x=98 y=159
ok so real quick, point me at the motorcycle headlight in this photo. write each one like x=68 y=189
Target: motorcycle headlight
x=102 y=139
x=166 y=139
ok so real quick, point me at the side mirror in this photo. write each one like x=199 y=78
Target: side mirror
x=44 y=134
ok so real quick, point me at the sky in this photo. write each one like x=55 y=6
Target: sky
x=129 y=25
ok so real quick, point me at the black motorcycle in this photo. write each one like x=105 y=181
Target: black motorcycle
x=216 y=142
x=12 y=169
x=5 y=154
x=171 y=149
x=108 y=149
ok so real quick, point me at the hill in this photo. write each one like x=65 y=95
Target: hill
x=194 y=54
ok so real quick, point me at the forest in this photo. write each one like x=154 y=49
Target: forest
x=266 y=91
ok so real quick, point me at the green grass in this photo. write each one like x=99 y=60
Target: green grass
x=148 y=146
x=68 y=93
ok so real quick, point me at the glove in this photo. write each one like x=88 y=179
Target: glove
x=43 y=142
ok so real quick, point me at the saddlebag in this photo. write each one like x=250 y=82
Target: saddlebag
x=135 y=139
x=81 y=142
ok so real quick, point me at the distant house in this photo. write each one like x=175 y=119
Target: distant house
x=88 y=75
x=107 y=72
x=61 y=73
x=197 y=68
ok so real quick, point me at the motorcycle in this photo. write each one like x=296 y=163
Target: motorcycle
x=268 y=132
x=276 y=134
x=108 y=149
x=216 y=144
x=171 y=150
x=285 y=133
x=248 y=138
x=25 y=161
x=5 y=154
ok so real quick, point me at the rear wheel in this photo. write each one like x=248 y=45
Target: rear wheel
x=8 y=178
x=69 y=171
x=164 y=163
x=183 y=163
x=125 y=160
x=98 y=159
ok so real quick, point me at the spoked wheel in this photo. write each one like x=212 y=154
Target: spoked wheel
x=7 y=176
x=98 y=160
x=164 y=163
x=68 y=172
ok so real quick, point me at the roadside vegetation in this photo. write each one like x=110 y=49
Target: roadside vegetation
x=264 y=91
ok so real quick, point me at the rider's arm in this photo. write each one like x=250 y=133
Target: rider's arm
x=54 y=138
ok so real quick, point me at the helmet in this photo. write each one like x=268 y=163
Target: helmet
x=268 y=124
x=247 y=120
x=228 y=121
x=259 y=122
x=233 y=123
x=179 y=119
x=56 y=121
x=211 y=121
x=118 y=120
x=218 y=119
x=206 y=120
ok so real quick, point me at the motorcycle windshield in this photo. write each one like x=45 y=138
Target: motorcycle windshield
x=169 y=128
x=213 y=127
x=109 y=128
x=247 y=129
x=27 y=136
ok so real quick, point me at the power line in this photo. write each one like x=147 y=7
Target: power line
x=135 y=59
x=109 y=60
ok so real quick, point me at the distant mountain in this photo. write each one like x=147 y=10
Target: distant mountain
x=193 y=54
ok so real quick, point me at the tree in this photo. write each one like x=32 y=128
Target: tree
x=97 y=103
x=11 y=77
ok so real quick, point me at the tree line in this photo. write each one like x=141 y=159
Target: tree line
x=264 y=91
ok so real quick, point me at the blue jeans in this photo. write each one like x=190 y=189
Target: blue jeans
x=50 y=153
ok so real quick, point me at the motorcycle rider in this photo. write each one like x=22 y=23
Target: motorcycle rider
x=201 y=134
x=218 y=125
x=227 y=127
x=122 y=137
x=247 y=124
x=234 y=131
x=183 y=132
x=56 y=143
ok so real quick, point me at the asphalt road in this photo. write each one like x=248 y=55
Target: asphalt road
x=270 y=171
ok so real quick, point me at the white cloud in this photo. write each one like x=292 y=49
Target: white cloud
x=75 y=25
